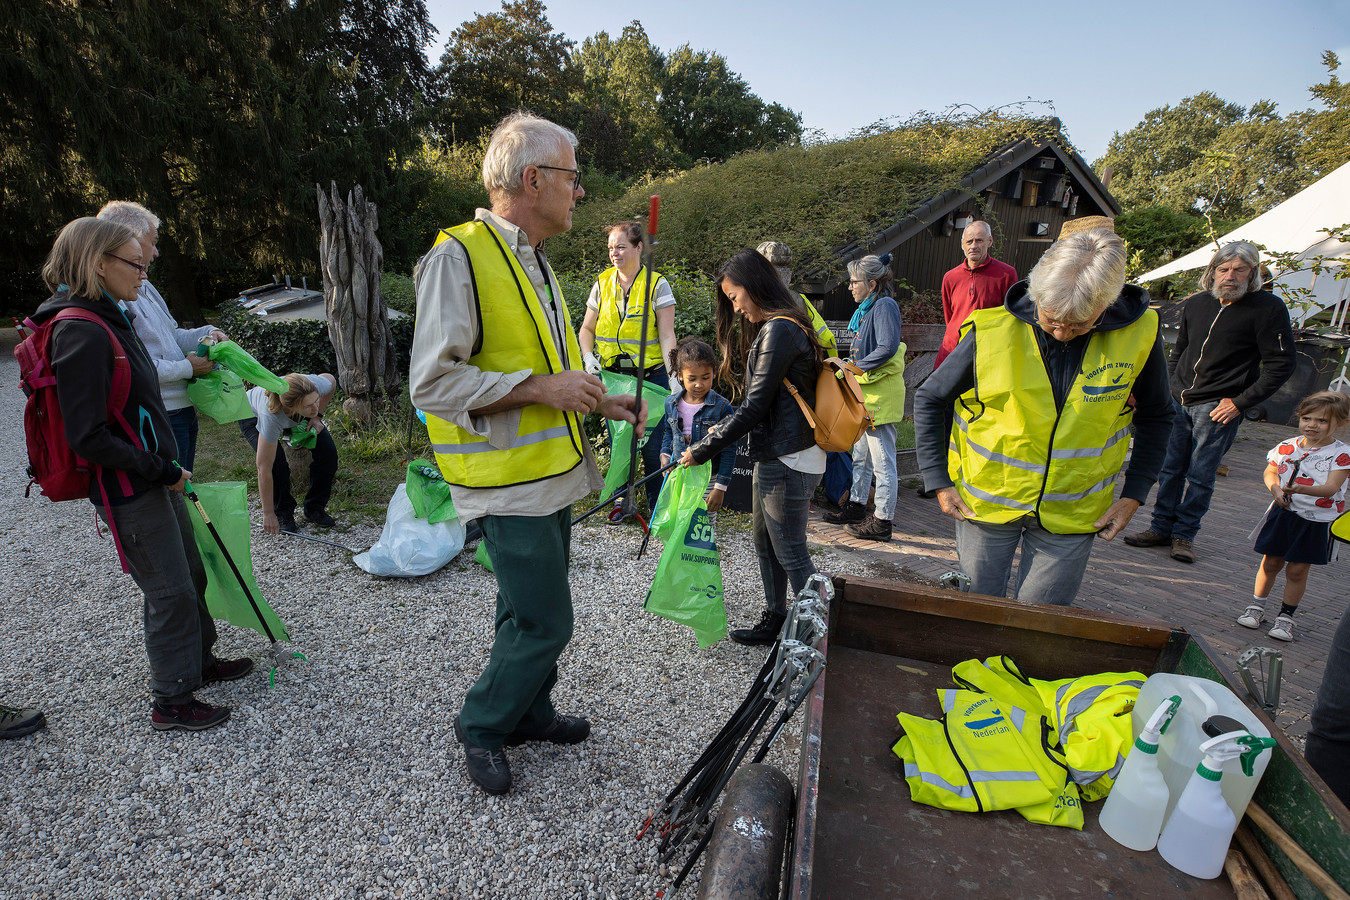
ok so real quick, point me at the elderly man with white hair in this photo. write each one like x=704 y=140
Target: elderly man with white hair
x=497 y=369
x=172 y=349
x=1041 y=389
x=1234 y=349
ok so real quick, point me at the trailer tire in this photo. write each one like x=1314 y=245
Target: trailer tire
x=745 y=855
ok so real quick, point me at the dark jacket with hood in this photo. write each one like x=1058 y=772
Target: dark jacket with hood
x=1063 y=363
x=82 y=360
x=1243 y=351
x=768 y=413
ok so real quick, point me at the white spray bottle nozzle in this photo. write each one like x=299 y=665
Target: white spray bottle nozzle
x=1157 y=725
x=1233 y=745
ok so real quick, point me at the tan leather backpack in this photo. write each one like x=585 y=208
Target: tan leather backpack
x=839 y=417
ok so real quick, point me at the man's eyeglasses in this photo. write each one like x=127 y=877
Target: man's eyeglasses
x=576 y=174
x=135 y=265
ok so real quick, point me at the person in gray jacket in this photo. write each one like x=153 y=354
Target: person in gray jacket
x=172 y=349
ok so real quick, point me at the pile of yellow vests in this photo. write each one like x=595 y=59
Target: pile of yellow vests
x=1006 y=741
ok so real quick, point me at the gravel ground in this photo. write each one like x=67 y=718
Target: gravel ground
x=345 y=780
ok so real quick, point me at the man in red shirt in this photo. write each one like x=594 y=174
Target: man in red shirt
x=979 y=282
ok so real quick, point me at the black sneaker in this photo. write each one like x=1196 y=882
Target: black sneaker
x=287 y=522
x=488 y=768
x=15 y=723
x=562 y=730
x=873 y=529
x=226 y=670
x=193 y=715
x=321 y=518
x=765 y=630
x=848 y=512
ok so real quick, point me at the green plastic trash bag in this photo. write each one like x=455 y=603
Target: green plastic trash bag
x=221 y=395
x=688 y=585
x=226 y=503
x=480 y=556
x=429 y=493
x=302 y=437
x=237 y=360
x=621 y=433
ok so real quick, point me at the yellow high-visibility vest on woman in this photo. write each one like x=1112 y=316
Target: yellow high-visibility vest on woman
x=548 y=441
x=616 y=332
x=1014 y=454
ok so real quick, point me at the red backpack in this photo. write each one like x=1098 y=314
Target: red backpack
x=52 y=465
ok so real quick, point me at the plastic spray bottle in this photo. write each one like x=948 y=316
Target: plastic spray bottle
x=1197 y=834
x=1133 y=813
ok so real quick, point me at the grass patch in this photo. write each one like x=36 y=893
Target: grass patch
x=370 y=461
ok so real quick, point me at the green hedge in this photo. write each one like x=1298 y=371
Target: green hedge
x=299 y=345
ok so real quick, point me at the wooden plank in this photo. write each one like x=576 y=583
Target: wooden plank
x=922 y=337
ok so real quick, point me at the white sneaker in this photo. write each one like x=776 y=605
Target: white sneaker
x=1283 y=629
x=1252 y=616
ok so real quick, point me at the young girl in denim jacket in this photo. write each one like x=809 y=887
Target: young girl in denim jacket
x=695 y=408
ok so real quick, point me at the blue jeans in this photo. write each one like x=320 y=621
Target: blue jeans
x=838 y=477
x=184 y=424
x=782 y=503
x=1328 y=750
x=875 y=452
x=1051 y=569
x=1186 y=483
x=161 y=552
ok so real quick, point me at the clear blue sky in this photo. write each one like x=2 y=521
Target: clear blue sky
x=843 y=64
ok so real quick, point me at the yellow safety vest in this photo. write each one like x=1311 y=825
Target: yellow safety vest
x=515 y=336
x=1013 y=454
x=1088 y=716
x=823 y=332
x=983 y=755
x=615 y=334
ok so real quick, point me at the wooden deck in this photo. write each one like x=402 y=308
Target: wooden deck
x=1205 y=598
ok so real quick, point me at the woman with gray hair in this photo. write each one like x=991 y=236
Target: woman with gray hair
x=1040 y=390
x=879 y=354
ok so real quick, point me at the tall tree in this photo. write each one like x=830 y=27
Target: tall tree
x=1208 y=153
x=711 y=111
x=500 y=62
x=624 y=133
x=1327 y=131
x=219 y=115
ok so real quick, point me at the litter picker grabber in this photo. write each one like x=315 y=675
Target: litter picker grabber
x=789 y=671
x=629 y=503
x=626 y=491
x=280 y=656
x=306 y=537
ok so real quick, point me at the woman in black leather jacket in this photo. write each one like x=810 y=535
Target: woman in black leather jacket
x=761 y=322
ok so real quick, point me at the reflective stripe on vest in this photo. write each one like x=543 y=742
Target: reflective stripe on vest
x=1012 y=452
x=613 y=336
x=548 y=441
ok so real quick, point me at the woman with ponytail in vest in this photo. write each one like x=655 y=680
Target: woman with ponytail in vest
x=762 y=327
x=611 y=334
x=95 y=268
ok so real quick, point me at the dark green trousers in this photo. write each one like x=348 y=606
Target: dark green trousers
x=530 y=555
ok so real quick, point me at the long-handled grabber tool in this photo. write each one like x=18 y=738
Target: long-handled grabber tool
x=626 y=489
x=280 y=655
x=629 y=502
x=306 y=537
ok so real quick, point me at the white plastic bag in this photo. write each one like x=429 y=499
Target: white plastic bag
x=409 y=546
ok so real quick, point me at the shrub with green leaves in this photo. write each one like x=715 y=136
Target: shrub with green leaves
x=298 y=345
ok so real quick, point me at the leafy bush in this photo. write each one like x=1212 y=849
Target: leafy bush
x=298 y=345
x=399 y=292
x=818 y=198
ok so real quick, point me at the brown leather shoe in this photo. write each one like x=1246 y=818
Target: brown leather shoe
x=1148 y=538
x=1182 y=551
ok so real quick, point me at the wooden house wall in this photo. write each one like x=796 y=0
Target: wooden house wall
x=922 y=260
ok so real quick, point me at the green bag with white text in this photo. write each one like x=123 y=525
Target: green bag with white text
x=688 y=585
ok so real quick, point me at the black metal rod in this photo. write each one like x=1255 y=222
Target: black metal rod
x=210 y=526
x=625 y=489
x=648 y=247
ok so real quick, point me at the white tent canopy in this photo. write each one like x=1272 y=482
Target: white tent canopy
x=1295 y=226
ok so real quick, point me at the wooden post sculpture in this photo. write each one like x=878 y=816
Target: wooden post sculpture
x=358 y=320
